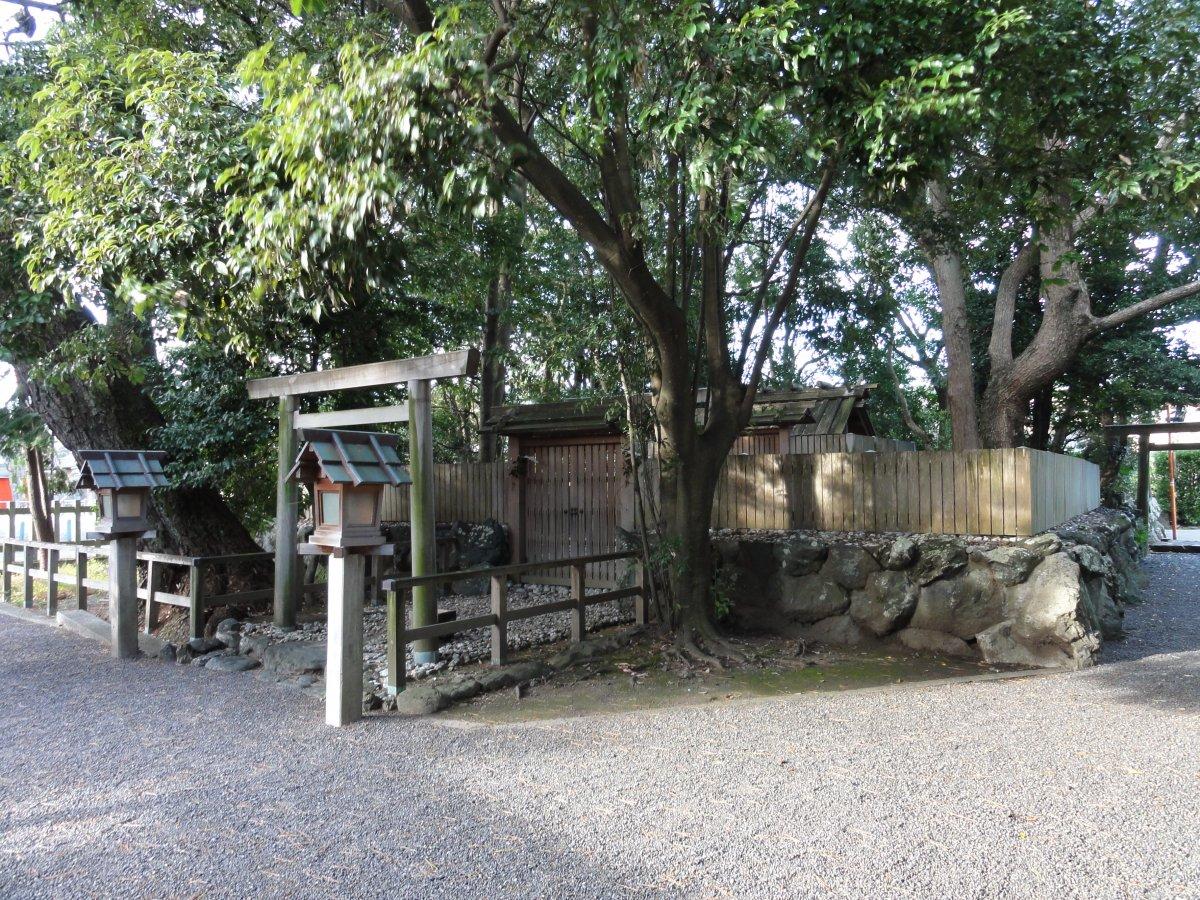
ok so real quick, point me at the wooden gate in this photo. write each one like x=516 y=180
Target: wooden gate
x=572 y=504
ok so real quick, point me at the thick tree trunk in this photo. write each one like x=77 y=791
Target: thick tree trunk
x=1043 y=409
x=121 y=414
x=946 y=265
x=688 y=490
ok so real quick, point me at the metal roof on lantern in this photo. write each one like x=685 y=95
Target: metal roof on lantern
x=349 y=457
x=120 y=469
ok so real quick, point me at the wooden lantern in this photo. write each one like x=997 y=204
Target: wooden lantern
x=347 y=471
x=122 y=480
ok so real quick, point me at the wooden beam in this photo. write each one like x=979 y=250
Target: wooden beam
x=1186 y=446
x=378 y=415
x=379 y=374
x=1154 y=428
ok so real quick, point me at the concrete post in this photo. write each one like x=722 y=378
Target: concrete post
x=287 y=512
x=122 y=596
x=344 y=652
x=421 y=515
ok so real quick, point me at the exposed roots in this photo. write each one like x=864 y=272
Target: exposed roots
x=704 y=646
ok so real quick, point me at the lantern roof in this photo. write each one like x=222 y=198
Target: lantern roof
x=349 y=457
x=106 y=469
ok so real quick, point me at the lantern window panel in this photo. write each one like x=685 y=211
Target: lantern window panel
x=129 y=504
x=360 y=506
x=331 y=507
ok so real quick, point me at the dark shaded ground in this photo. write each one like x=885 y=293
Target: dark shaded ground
x=137 y=779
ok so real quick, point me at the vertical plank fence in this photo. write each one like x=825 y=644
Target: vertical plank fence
x=987 y=492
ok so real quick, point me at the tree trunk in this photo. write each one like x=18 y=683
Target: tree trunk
x=492 y=376
x=1043 y=409
x=39 y=496
x=688 y=490
x=946 y=265
x=119 y=414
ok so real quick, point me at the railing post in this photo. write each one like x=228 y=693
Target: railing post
x=152 y=574
x=52 y=582
x=639 y=602
x=395 y=642
x=579 y=613
x=77 y=533
x=196 y=599
x=27 y=594
x=81 y=567
x=500 y=625
x=9 y=557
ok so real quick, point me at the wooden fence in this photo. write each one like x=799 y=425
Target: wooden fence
x=400 y=589
x=988 y=492
x=467 y=492
x=35 y=561
x=17 y=518
x=846 y=443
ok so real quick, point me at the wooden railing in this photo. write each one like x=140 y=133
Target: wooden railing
x=59 y=511
x=498 y=619
x=24 y=559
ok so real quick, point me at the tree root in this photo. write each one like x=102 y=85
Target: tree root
x=706 y=647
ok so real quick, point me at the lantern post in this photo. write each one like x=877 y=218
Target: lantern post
x=346 y=472
x=122 y=480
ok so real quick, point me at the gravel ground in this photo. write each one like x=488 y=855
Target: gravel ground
x=468 y=646
x=138 y=779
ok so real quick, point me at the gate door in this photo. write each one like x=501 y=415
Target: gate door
x=572 y=504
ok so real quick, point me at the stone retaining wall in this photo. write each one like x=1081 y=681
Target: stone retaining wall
x=1048 y=600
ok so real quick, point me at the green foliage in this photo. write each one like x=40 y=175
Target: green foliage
x=215 y=435
x=1187 y=485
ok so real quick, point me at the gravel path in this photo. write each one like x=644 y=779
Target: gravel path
x=138 y=779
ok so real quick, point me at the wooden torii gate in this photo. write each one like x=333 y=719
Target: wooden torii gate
x=416 y=373
x=1143 y=431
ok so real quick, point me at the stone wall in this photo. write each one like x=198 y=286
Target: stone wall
x=1048 y=600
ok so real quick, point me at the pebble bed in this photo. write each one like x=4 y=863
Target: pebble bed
x=469 y=646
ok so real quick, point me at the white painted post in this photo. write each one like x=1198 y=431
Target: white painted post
x=344 y=651
x=122 y=596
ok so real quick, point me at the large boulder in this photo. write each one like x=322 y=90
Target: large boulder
x=1052 y=614
x=811 y=598
x=962 y=605
x=1043 y=544
x=939 y=557
x=1106 y=614
x=1129 y=580
x=294 y=658
x=924 y=641
x=1091 y=560
x=1009 y=563
x=802 y=555
x=900 y=554
x=750 y=577
x=849 y=565
x=837 y=631
x=887 y=603
x=999 y=646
